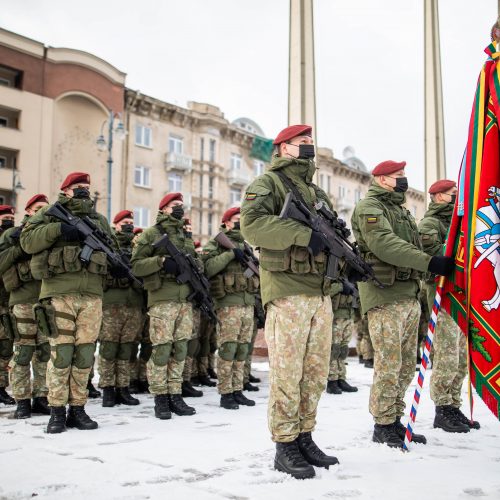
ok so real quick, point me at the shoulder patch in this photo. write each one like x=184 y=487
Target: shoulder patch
x=372 y=220
x=250 y=196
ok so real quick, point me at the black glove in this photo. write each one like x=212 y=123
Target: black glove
x=69 y=232
x=16 y=234
x=170 y=266
x=354 y=276
x=348 y=288
x=118 y=272
x=439 y=264
x=316 y=243
x=239 y=255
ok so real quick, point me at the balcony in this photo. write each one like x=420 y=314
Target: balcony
x=177 y=161
x=236 y=178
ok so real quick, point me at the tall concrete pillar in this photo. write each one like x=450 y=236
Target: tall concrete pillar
x=435 y=166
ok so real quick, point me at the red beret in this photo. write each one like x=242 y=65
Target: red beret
x=6 y=209
x=293 y=131
x=442 y=186
x=388 y=167
x=138 y=230
x=229 y=213
x=75 y=178
x=168 y=198
x=123 y=214
x=197 y=244
x=35 y=199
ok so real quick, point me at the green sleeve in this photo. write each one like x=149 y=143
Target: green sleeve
x=336 y=288
x=429 y=236
x=215 y=262
x=143 y=261
x=39 y=233
x=9 y=253
x=261 y=225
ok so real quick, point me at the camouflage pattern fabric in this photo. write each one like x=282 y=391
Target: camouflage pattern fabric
x=342 y=330
x=298 y=335
x=248 y=361
x=141 y=352
x=456 y=387
x=120 y=325
x=6 y=351
x=393 y=330
x=236 y=327
x=187 y=373
x=363 y=340
x=69 y=383
x=169 y=322
x=20 y=374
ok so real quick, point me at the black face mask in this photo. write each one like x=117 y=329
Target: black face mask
x=177 y=212
x=7 y=224
x=453 y=199
x=401 y=185
x=306 y=152
x=236 y=226
x=81 y=193
x=127 y=228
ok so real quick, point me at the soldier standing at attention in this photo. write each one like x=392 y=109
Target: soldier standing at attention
x=234 y=294
x=32 y=348
x=71 y=297
x=122 y=320
x=388 y=239
x=297 y=295
x=449 y=366
x=170 y=313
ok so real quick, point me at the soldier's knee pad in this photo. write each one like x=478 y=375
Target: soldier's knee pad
x=134 y=351
x=180 y=350
x=146 y=351
x=125 y=351
x=193 y=347
x=242 y=352
x=24 y=353
x=6 y=348
x=109 y=350
x=43 y=352
x=344 y=351
x=336 y=351
x=84 y=355
x=63 y=355
x=161 y=354
x=227 y=351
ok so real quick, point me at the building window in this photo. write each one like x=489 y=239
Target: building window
x=328 y=184
x=235 y=162
x=174 y=183
x=3 y=162
x=200 y=222
x=210 y=223
x=341 y=192
x=234 y=196
x=212 y=150
x=202 y=149
x=10 y=77
x=357 y=195
x=4 y=82
x=258 y=167
x=201 y=186
x=142 y=176
x=143 y=136
x=141 y=216
x=4 y=122
x=414 y=211
x=322 y=181
x=175 y=144
x=210 y=187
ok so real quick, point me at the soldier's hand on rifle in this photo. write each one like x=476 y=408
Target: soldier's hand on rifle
x=348 y=288
x=69 y=232
x=316 y=243
x=15 y=235
x=118 y=272
x=170 y=266
x=239 y=255
x=354 y=276
x=442 y=265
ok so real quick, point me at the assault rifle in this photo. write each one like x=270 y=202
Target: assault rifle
x=190 y=274
x=251 y=261
x=260 y=313
x=94 y=239
x=334 y=235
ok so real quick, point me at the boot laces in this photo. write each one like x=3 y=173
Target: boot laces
x=293 y=454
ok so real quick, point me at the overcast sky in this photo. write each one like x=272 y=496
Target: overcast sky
x=234 y=54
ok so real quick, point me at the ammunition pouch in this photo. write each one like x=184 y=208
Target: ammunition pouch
x=8 y=322
x=45 y=316
x=295 y=259
x=152 y=282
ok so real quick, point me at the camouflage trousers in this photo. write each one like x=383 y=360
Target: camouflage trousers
x=6 y=351
x=141 y=352
x=32 y=352
x=342 y=330
x=208 y=344
x=193 y=347
x=233 y=339
x=170 y=328
x=119 y=329
x=363 y=341
x=248 y=361
x=78 y=319
x=393 y=330
x=298 y=335
x=449 y=366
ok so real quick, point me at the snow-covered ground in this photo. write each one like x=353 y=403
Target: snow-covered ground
x=228 y=454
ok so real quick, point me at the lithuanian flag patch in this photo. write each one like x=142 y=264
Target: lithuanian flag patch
x=371 y=220
x=250 y=196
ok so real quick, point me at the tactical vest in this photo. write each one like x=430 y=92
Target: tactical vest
x=17 y=275
x=341 y=301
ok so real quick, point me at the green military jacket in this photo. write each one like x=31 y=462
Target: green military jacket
x=433 y=229
x=388 y=239
x=57 y=262
x=229 y=287
x=15 y=270
x=147 y=262
x=286 y=265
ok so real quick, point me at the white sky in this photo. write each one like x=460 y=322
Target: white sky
x=234 y=54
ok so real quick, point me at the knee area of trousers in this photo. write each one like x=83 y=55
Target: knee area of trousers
x=180 y=350
x=242 y=352
x=227 y=351
x=109 y=350
x=84 y=355
x=193 y=347
x=161 y=354
x=23 y=355
x=344 y=351
x=6 y=348
x=63 y=355
x=43 y=352
x=336 y=348
x=146 y=351
x=125 y=351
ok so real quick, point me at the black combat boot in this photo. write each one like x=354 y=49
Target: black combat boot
x=241 y=399
x=143 y=386
x=133 y=387
x=361 y=361
x=123 y=397
x=448 y=420
x=78 y=418
x=289 y=459
x=387 y=434
x=368 y=363
x=93 y=392
x=227 y=401
x=401 y=430
x=23 y=409
x=247 y=386
x=254 y=380
x=211 y=373
x=188 y=391
x=332 y=387
x=205 y=380
x=109 y=397
x=5 y=398
x=345 y=387
x=40 y=405
x=178 y=405
x=57 y=421
x=312 y=453
x=472 y=424
x=162 y=407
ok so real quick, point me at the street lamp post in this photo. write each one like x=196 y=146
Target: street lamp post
x=104 y=145
x=16 y=186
